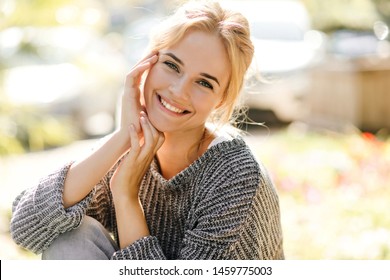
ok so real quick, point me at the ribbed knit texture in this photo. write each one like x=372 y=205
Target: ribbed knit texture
x=223 y=206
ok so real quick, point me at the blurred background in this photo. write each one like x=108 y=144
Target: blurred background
x=320 y=82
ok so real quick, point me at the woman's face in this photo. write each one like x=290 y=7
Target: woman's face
x=187 y=83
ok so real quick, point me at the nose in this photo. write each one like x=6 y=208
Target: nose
x=180 y=88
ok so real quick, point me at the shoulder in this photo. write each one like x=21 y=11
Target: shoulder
x=231 y=163
x=233 y=154
x=233 y=180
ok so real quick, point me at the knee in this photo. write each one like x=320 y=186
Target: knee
x=89 y=241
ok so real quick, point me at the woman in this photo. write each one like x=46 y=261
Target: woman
x=164 y=184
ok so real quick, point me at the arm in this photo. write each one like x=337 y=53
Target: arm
x=127 y=179
x=86 y=173
x=58 y=203
x=38 y=216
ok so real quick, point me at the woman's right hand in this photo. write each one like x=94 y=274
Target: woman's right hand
x=131 y=98
x=84 y=174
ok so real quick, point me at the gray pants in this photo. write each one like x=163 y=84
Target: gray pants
x=90 y=241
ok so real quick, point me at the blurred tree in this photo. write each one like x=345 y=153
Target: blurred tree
x=332 y=15
x=383 y=9
x=31 y=12
x=25 y=128
x=76 y=12
x=51 y=13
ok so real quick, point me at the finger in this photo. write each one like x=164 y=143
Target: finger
x=153 y=129
x=129 y=82
x=149 y=61
x=146 y=58
x=147 y=133
x=133 y=79
x=157 y=136
x=134 y=76
x=155 y=133
x=129 y=159
x=134 y=141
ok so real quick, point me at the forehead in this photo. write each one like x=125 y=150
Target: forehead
x=203 y=52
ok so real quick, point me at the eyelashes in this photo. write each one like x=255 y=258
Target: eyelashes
x=205 y=84
x=176 y=68
x=172 y=65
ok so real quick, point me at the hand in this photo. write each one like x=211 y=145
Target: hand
x=126 y=181
x=127 y=178
x=131 y=97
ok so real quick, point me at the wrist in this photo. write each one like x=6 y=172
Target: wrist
x=121 y=139
x=126 y=202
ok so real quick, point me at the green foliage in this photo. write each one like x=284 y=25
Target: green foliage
x=10 y=145
x=332 y=15
x=26 y=128
x=33 y=12
x=383 y=9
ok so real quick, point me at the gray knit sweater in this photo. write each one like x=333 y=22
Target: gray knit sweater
x=223 y=206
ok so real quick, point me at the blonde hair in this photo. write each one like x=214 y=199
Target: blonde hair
x=233 y=29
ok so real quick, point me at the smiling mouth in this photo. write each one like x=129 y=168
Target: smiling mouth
x=170 y=107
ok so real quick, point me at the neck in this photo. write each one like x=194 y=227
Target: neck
x=180 y=149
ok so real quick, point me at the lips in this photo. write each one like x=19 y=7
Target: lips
x=171 y=107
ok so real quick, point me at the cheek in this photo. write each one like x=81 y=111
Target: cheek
x=157 y=78
x=204 y=106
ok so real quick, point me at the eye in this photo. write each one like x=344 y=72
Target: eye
x=206 y=84
x=172 y=65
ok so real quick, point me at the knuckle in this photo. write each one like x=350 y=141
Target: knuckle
x=129 y=77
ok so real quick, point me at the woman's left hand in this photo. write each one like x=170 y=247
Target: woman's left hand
x=127 y=178
x=126 y=181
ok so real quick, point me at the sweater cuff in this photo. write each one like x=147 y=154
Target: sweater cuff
x=49 y=203
x=145 y=248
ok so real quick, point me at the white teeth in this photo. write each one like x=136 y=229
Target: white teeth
x=170 y=107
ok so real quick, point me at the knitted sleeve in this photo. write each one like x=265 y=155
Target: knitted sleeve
x=38 y=215
x=146 y=248
x=238 y=218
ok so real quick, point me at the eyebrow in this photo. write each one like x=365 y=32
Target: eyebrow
x=210 y=77
x=178 y=60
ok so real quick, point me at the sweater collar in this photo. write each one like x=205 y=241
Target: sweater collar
x=193 y=169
